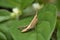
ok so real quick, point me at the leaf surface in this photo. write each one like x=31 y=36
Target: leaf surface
x=43 y=30
x=15 y=3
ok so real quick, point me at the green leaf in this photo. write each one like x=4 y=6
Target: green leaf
x=15 y=3
x=5 y=34
x=7 y=4
x=13 y=27
x=3 y=18
x=47 y=14
x=4 y=12
x=43 y=30
x=58 y=29
x=58 y=4
x=25 y=3
x=2 y=36
x=4 y=15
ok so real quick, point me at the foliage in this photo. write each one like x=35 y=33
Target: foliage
x=43 y=30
